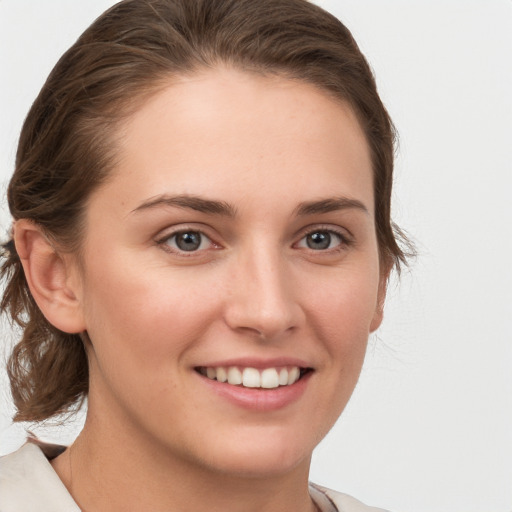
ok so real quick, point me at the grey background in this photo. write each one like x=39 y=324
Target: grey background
x=430 y=425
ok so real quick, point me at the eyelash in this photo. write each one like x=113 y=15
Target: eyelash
x=344 y=241
x=164 y=242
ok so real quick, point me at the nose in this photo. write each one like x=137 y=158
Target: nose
x=263 y=300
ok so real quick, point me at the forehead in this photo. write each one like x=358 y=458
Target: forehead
x=226 y=127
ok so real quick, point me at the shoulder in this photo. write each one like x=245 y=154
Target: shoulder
x=334 y=501
x=28 y=482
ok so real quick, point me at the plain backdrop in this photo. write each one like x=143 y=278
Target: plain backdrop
x=429 y=428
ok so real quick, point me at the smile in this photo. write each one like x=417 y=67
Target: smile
x=268 y=378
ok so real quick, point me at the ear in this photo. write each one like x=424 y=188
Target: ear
x=53 y=278
x=381 y=299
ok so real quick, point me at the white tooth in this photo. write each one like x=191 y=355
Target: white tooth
x=283 y=377
x=234 y=375
x=210 y=372
x=269 y=378
x=293 y=375
x=251 y=378
x=222 y=376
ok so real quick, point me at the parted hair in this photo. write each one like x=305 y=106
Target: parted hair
x=67 y=145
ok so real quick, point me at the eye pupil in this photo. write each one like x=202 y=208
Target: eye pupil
x=189 y=241
x=318 y=240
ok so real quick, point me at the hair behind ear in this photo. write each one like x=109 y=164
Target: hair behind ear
x=47 y=368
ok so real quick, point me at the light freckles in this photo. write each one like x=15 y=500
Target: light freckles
x=264 y=146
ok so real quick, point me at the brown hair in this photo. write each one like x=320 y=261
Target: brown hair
x=67 y=145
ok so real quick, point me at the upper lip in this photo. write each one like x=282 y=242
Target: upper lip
x=258 y=363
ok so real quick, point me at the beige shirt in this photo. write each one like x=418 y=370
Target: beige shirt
x=28 y=483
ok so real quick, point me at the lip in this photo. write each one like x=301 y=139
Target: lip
x=257 y=399
x=259 y=363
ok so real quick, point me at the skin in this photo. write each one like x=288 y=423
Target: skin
x=264 y=146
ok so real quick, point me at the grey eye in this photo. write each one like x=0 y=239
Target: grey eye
x=321 y=240
x=187 y=241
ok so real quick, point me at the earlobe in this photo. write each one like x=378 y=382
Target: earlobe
x=381 y=299
x=377 y=318
x=50 y=276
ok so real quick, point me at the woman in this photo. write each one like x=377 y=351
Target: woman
x=201 y=245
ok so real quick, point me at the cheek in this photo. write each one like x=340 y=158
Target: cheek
x=340 y=319
x=148 y=315
x=345 y=309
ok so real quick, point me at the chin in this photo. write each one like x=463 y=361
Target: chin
x=263 y=457
x=260 y=467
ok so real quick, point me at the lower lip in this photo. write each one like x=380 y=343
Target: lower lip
x=258 y=399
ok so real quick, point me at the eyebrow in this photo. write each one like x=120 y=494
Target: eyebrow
x=328 y=205
x=189 y=202
x=225 y=209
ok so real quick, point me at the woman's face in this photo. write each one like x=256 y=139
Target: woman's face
x=235 y=240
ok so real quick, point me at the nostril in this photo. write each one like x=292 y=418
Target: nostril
x=265 y=334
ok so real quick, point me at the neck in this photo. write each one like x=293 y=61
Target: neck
x=116 y=473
